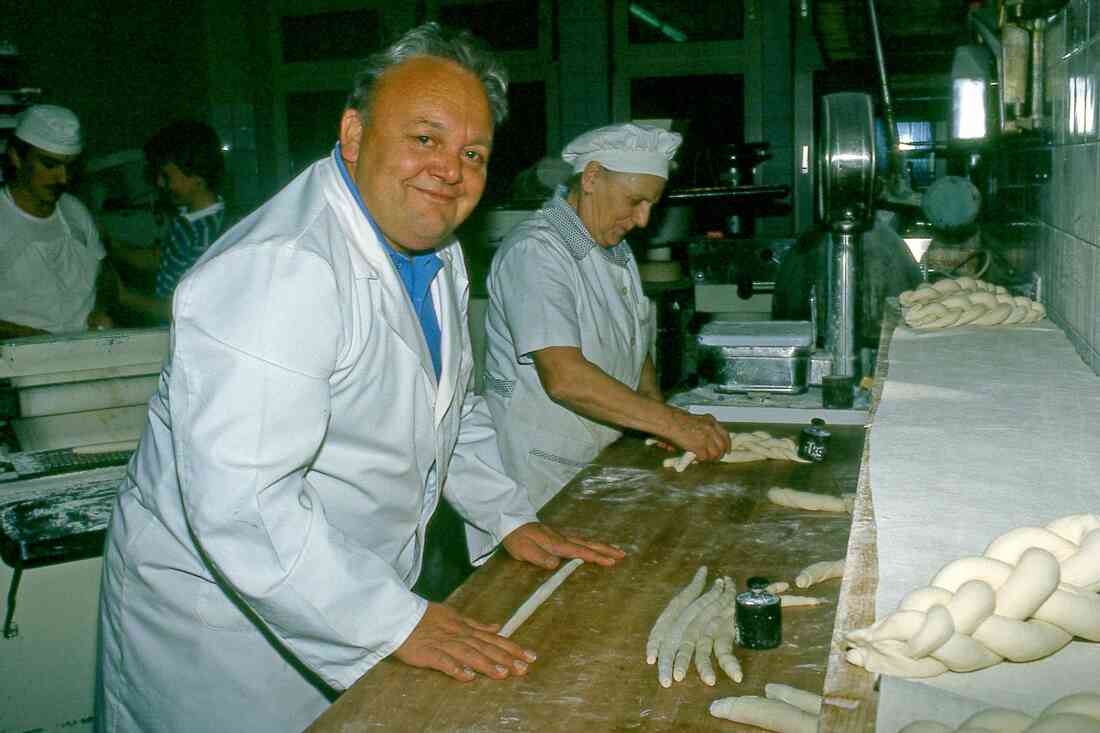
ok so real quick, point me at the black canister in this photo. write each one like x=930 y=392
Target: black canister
x=758 y=623
x=813 y=443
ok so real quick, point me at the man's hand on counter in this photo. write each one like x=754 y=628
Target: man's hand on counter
x=541 y=545
x=701 y=434
x=462 y=648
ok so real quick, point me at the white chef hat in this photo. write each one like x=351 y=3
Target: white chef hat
x=626 y=148
x=51 y=128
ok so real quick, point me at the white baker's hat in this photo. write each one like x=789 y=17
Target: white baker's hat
x=51 y=128
x=626 y=148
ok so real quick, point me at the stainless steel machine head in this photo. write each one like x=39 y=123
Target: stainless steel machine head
x=847 y=164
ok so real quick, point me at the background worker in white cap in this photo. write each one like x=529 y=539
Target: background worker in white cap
x=570 y=333
x=50 y=250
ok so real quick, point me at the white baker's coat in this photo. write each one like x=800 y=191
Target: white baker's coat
x=272 y=520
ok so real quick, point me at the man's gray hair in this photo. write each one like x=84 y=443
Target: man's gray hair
x=431 y=39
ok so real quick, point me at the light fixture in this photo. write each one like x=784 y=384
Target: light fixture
x=971 y=75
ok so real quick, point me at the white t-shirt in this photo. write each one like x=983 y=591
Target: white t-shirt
x=48 y=266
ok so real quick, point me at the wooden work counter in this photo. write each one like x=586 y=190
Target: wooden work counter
x=591 y=634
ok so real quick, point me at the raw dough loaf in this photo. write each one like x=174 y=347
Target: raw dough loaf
x=1026 y=597
x=783 y=708
x=810 y=501
x=966 y=301
x=1079 y=711
x=819 y=572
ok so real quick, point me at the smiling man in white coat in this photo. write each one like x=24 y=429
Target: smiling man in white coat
x=314 y=410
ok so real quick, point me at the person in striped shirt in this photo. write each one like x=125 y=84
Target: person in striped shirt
x=186 y=159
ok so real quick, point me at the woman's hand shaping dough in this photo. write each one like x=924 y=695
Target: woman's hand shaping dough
x=699 y=434
x=542 y=545
x=462 y=648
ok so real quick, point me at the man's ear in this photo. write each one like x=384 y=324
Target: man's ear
x=351 y=134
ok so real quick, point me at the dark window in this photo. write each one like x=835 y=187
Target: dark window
x=351 y=34
x=505 y=26
x=520 y=142
x=709 y=110
x=313 y=125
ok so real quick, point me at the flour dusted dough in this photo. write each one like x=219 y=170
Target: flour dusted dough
x=721 y=622
x=670 y=644
x=744 y=448
x=1026 y=597
x=1076 y=712
x=672 y=611
x=810 y=501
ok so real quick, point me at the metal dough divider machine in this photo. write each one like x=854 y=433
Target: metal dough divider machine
x=782 y=358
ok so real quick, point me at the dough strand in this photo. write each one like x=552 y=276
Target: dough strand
x=671 y=611
x=537 y=598
x=819 y=572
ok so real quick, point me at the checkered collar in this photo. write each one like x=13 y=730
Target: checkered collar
x=577 y=239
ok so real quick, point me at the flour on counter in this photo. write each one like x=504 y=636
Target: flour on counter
x=616 y=484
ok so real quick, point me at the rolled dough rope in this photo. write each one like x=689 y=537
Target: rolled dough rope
x=723 y=646
x=1025 y=598
x=810 y=501
x=679 y=463
x=787 y=601
x=778 y=587
x=819 y=572
x=694 y=631
x=801 y=699
x=1079 y=711
x=666 y=653
x=764 y=713
x=679 y=602
x=537 y=598
x=722 y=619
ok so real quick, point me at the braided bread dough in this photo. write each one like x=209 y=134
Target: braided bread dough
x=1026 y=597
x=744 y=448
x=1079 y=711
x=966 y=301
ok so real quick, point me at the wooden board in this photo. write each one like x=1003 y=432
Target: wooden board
x=590 y=635
x=851 y=697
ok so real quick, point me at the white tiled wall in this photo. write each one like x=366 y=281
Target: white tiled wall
x=1056 y=197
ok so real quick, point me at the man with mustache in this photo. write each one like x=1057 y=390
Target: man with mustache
x=50 y=250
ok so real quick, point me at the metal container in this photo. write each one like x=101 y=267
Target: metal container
x=755 y=356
